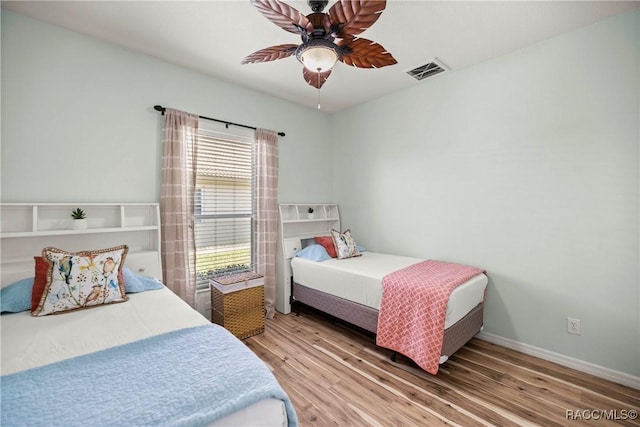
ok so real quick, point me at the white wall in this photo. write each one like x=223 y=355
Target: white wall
x=526 y=165
x=78 y=120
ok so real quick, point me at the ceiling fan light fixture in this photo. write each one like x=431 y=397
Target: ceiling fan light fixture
x=319 y=52
x=318 y=55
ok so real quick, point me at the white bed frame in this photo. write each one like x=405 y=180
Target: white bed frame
x=295 y=225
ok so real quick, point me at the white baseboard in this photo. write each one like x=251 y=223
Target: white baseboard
x=570 y=362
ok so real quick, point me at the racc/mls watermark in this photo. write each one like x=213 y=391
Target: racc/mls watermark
x=601 y=414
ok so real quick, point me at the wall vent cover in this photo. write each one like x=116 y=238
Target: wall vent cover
x=427 y=70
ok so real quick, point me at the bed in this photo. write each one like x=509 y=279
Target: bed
x=148 y=360
x=350 y=289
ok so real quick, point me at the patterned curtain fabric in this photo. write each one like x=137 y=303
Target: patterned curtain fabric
x=177 y=203
x=267 y=213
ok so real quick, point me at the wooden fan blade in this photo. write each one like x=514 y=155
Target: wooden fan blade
x=271 y=53
x=353 y=17
x=315 y=79
x=284 y=16
x=363 y=53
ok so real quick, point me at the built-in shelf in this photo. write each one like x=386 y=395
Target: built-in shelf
x=300 y=212
x=20 y=218
x=72 y=231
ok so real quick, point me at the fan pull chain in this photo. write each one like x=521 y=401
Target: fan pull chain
x=318 y=74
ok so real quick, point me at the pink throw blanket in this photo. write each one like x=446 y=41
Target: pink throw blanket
x=413 y=309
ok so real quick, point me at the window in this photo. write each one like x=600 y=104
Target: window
x=224 y=203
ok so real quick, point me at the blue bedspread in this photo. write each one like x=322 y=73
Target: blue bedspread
x=189 y=377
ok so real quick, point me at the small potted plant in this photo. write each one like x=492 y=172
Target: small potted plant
x=79 y=219
x=310 y=213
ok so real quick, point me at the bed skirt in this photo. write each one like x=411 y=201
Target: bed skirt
x=455 y=336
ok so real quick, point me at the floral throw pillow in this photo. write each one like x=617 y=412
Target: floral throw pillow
x=78 y=280
x=346 y=247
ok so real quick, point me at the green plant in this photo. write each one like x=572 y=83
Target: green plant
x=78 y=214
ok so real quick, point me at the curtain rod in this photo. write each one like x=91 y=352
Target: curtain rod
x=162 y=110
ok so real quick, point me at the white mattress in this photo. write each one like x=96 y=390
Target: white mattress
x=27 y=341
x=359 y=279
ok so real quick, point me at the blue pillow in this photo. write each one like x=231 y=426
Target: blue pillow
x=134 y=283
x=17 y=296
x=361 y=248
x=314 y=253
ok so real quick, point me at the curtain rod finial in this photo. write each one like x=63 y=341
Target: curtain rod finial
x=159 y=108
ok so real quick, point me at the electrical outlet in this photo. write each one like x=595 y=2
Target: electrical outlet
x=573 y=326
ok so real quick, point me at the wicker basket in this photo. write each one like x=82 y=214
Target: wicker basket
x=241 y=311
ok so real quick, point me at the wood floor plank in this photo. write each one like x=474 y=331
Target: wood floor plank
x=379 y=393
x=555 y=395
x=559 y=372
x=384 y=376
x=421 y=380
x=335 y=375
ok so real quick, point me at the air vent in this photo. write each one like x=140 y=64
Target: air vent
x=427 y=70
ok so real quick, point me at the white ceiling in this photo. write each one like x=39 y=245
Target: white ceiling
x=214 y=36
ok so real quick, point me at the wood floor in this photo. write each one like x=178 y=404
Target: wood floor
x=336 y=376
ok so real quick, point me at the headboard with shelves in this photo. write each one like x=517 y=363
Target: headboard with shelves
x=296 y=225
x=27 y=228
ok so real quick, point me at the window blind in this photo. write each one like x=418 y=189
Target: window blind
x=224 y=204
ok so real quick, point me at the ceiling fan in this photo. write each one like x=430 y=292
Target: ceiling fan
x=326 y=37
